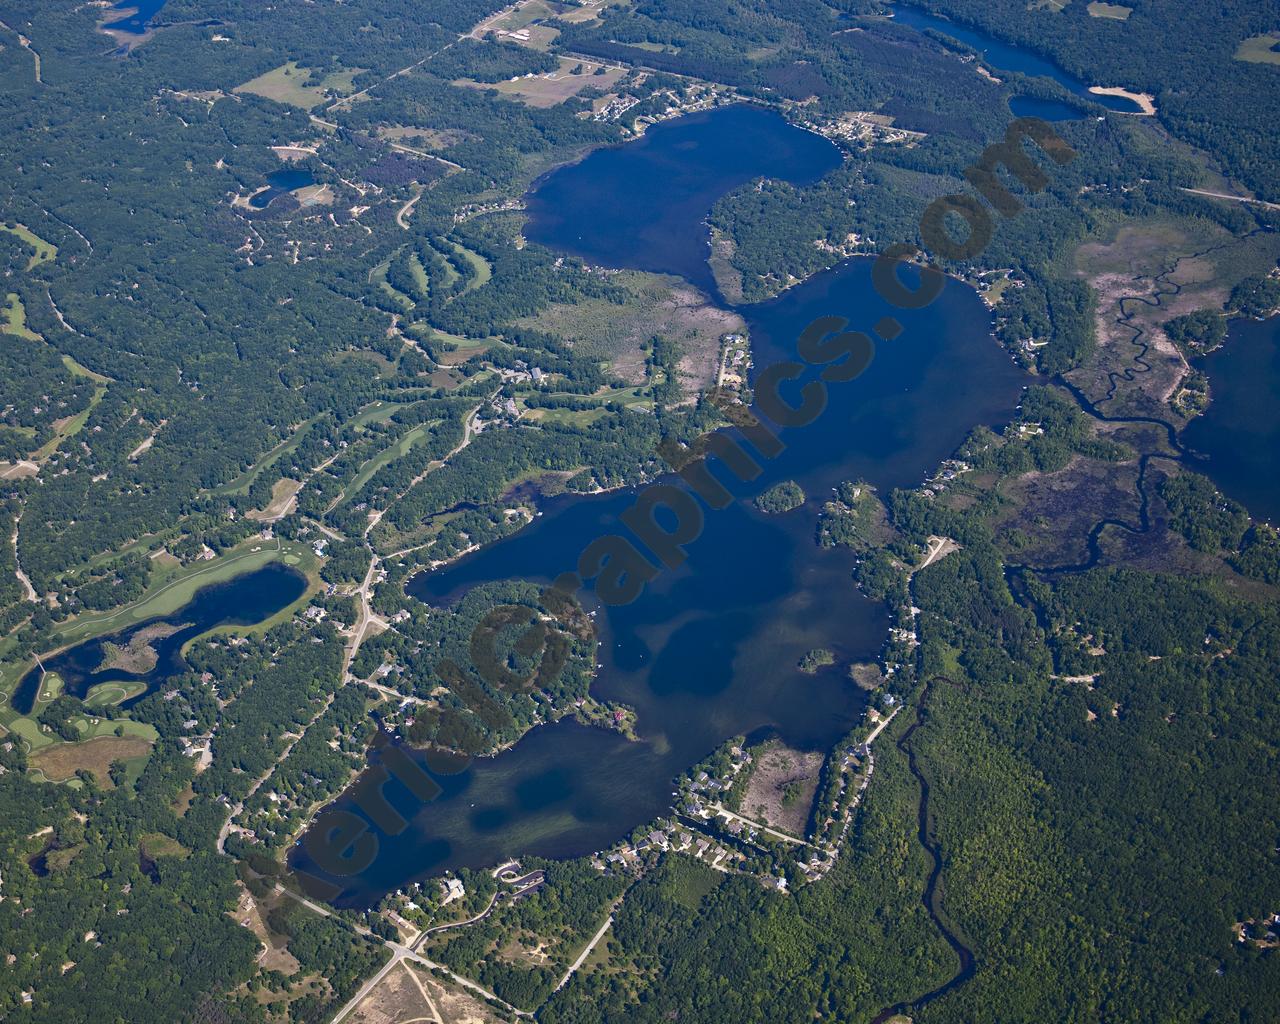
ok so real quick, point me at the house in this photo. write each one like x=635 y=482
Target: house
x=451 y=889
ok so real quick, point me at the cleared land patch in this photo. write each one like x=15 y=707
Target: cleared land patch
x=1116 y=12
x=15 y=319
x=44 y=251
x=283 y=495
x=299 y=87
x=618 y=334
x=781 y=789
x=554 y=87
x=60 y=762
x=396 y=999
x=1260 y=49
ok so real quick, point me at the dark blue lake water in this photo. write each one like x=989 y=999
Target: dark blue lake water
x=710 y=651
x=279 y=182
x=1238 y=437
x=1008 y=57
x=242 y=601
x=138 y=21
x=655 y=192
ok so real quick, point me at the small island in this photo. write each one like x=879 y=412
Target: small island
x=781 y=497
x=817 y=658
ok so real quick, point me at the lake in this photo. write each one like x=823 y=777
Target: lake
x=280 y=182
x=655 y=192
x=709 y=651
x=1007 y=57
x=137 y=21
x=1237 y=440
x=241 y=601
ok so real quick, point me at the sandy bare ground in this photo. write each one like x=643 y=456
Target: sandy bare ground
x=284 y=499
x=455 y=1005
x=19 y=470
x=398 y=999
x=1144 y=99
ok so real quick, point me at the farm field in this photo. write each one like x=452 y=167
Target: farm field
x=555 y=86
x=298 y=87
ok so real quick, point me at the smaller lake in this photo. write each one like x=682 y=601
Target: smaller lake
x=279 y=182
x=242 y=601
x=137 y=19
x=1008 y=57
x=1237 y=441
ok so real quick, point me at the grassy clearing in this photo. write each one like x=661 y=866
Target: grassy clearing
x=81 y=370
x=70 y=426
x=298 y=86
x=45 y=251
x=107 y=694
x=1116 y=12
x=566 y=417
x=555 y=86
x=419 y=273
x=483 y=271
x=619 y=334
x=1260 y=49
x=378 y=276
x=60 y=762
x=15 y=319
x=282 y=494
x=155 y=844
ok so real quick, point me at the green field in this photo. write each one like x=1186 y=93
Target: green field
x=72 y=426
x=1260 y=49
x=484 y=272
x=1116 y=12
x=298 y=87
x=83 y=371
x=45 y=251
x=378 y=276
x=105 y=694
x=15 y=319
